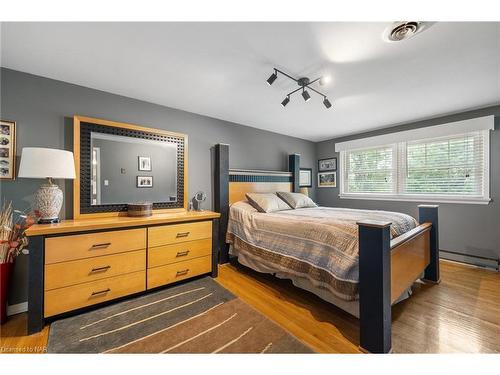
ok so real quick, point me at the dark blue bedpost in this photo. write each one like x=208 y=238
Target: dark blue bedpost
x=375 y=286
x=429 y=214
x=294 y=167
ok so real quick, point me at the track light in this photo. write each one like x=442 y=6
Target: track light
x=272 y=78
x=324 y=80
x=306 y=95
x=303 y=83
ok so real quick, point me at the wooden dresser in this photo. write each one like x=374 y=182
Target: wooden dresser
x=80 y=263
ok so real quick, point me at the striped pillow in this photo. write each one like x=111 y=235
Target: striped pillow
x=266 y=202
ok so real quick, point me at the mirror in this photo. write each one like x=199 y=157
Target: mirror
x=119 y=164
x=130 y=170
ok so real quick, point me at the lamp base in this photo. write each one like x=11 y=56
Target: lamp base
x=48 y=200
x=49 y=221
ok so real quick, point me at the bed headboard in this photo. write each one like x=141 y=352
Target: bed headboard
x=231 y=185
x=242 y=181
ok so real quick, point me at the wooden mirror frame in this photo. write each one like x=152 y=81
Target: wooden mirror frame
x=84 y=212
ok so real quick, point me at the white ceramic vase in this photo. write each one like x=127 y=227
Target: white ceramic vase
x=49 y=200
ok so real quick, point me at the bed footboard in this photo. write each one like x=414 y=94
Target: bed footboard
x=387 y=268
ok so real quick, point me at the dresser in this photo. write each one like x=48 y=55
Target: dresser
x=80 y=264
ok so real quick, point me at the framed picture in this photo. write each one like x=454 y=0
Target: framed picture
x=329 y=164
x=305 y=177
x=144 y=181
x=7 y=150
x=145 y=163
x=327 y=179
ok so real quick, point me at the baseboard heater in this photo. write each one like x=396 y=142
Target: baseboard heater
x=476 y=260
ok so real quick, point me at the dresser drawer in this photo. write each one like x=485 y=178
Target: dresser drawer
x=166 y=254
x=178 y=271
x=58 y=275
x=62 y=249
x=169 y=234
x=73 y=297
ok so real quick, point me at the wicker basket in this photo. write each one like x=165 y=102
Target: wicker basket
x=140 y=209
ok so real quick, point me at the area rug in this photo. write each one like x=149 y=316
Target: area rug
x=196 y=317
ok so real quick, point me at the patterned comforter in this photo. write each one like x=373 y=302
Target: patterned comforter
x=319 y=244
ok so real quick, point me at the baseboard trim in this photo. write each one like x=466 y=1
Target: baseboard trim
x=17 y=308
x=473 y=260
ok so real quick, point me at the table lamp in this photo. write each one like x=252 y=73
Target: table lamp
x=37 y=162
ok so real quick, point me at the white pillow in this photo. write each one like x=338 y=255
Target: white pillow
x=296 y=200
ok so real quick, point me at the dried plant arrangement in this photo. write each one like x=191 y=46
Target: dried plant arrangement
x=13 y=226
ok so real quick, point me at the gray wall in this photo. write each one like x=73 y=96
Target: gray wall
x=43 y=109
x=466 y=228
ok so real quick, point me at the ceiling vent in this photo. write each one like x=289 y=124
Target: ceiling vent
x=402 y=30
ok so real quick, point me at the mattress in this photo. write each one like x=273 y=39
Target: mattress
x=317 y=247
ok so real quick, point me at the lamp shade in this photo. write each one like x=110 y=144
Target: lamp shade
x=37 y=162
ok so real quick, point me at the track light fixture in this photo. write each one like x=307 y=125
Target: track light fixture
x=306 y=95
x=304 y=83
x=285 y=101
x=324 y=80
x=272 y=78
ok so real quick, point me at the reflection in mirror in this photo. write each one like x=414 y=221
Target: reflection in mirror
x=130 y=170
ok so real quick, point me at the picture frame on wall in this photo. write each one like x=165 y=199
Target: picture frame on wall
x=329 y=164
x=145 y=163
x=327 y=179
x=144 y=181
x=7 y=150
x=305 y=177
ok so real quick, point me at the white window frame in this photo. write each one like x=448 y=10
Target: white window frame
x=422 y=198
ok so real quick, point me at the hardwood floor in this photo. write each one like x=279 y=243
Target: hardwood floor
x=462 y=314
x=13 y=337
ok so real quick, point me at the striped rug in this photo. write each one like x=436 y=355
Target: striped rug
x=195 y=317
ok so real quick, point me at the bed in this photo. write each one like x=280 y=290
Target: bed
x=362 y=261
x=315 y=247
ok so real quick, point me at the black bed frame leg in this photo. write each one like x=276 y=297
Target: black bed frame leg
x=375 y=286
x=429 y=214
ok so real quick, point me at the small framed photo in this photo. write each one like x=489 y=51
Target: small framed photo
x=144 y=181
x=327 y=179
x=7 y=150
x=145 y=163
x=305 y=177
x=329 y=164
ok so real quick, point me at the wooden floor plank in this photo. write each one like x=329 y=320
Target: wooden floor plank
x=461 y=314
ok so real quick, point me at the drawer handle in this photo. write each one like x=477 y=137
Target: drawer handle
x=183 y=272
x=100 y=269
x=100 y=246
x=182 y=253
x=182 y=234
x=101 y=292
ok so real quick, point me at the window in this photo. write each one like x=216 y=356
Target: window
x=446 y=168
x=370 y=171
x=451 y=166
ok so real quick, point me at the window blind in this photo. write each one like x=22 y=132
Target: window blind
x=371 y=170
x=446 y=168
x=450 y=165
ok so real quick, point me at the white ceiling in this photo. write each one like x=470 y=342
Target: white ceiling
x=220 y=69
